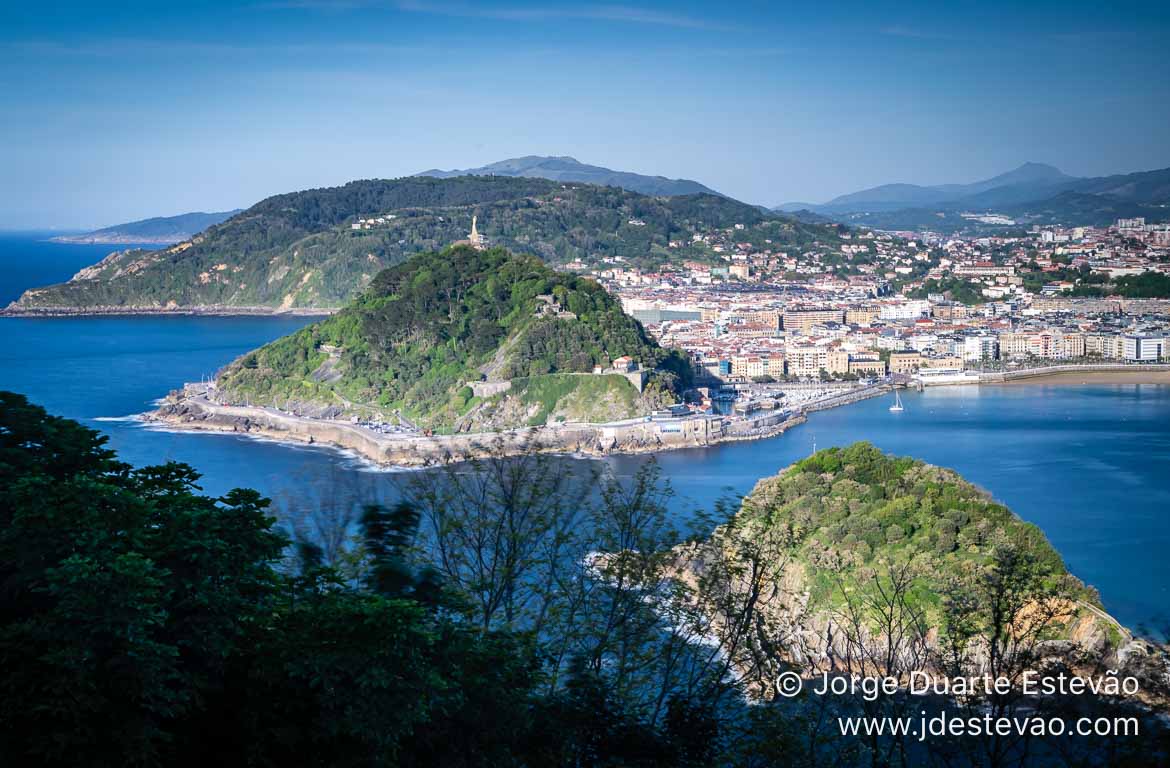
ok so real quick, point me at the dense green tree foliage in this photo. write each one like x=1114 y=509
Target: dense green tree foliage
x=142 y=623
x=960 y=290
x=853 y=508
x=1148 y=285
x=124 y=592
x=424 y=329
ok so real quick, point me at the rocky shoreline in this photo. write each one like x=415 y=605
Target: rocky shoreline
x=16 y=310
x=120 y=239
x=190 y=409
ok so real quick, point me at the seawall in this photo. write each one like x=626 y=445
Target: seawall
x=191 y=409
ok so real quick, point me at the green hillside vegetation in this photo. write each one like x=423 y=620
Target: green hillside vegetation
x=1065 y=209
x=1074 y=208
x=425 y=329
x=576 y=398
x=962 y=291
x=1148 y=285
x=849 y=509
x=299 y=250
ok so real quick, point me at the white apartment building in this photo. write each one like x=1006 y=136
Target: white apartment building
x=1142 y=348
x=979 y=348
x=906 y=310
x=922 y=342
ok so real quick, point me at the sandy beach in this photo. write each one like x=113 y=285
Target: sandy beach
x=1074 y=378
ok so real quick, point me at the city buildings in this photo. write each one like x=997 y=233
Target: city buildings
x=882 y=303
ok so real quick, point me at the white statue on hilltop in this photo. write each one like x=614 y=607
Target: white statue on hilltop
x=475 y=238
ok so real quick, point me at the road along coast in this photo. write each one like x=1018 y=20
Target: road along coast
x=195 y=408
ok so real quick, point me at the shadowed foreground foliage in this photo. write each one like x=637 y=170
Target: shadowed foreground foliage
x=142 y=623
x=508 y=613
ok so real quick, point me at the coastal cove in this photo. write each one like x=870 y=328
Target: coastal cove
x=474 y=385
x=1085 y=462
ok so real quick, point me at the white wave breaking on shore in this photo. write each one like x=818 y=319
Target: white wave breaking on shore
x=352 y=460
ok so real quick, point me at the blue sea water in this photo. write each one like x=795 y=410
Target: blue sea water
x=29 y=259
x=1089 y=464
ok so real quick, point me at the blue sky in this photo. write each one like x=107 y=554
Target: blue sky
x=117 y=111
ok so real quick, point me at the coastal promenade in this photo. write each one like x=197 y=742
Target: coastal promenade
x=194 y=408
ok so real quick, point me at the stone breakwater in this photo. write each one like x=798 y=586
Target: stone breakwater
x=191 y=408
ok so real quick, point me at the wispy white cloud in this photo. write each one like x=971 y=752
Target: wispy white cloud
x=335 y=51
x=123 y=47
x=913 y=33
x=323 y=5
x=615 y=13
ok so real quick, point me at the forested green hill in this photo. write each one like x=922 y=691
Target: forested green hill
x=301 y=250
x=426 y=329
x=851 y=512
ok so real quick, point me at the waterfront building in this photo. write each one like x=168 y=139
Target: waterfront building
x=1044 y=344
x=949 y=362
x=980 y=348
x=806 y=361
x=837 y=361
x=867 y=366
x=905 y=362
x=1143 y=348
x=1107 y=345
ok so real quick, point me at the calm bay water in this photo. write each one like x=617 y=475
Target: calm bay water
x=28 y=259
x=1088 y=464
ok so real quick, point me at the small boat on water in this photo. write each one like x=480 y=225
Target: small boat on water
x=897 y=406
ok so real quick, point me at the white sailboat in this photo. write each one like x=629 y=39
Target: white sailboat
x=897 y=406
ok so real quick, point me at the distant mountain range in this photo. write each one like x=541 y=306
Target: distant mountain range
x=1028 y=179
x=1034 y=193
x=160 y=230
x=569 y=169
x=318 y=248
